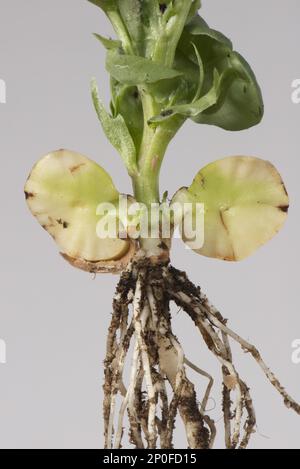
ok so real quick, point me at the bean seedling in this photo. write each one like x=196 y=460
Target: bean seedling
x=166 y=66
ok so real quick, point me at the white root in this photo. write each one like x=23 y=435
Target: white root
x=129 y=396
x=164 y=431
x=122 y=388
x=203 y=405
x=196 y=304
x=246 y=346
x=180 y=362
x=205 y=323
x=117 y=370
x=171 y=358
x=153 y=308
x=220 y=352
x=203 y=306
x=172 y=364
x=251 y=420
x=132 y=412
x=226 y=395
x=239 y=402
x=141 y=315
x=117 y=367
x=111 y=421
x=157 y=355
x=210 y=383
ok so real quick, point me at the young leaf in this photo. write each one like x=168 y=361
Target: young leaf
x=108 y=43
x=134 y=70
x=105 y=5
x=201 y=75
x=126 y=102
x=198 y=27
x=194 y=109
x=116 y=131
x=183 y=89
x=136 y=22
x=63 y=192
x=196 y=5
x=131 y=11
x=141 y=19
x=240 y=105
x=245 y=204
x=179 y=90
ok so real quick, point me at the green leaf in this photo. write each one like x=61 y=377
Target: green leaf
x=203 y=103
x=196 y=5
x=141 y=18
x=105 y=5
x=199 y=28
x=116 y=131
x=134 y=70
x=240 y=105
x=183 y=89
x=63 y=192
x=178 y=90
x=138 y=20
x=201 y=74
x=245 y=205
x=126 y=101
x=200 y=105
x=108 y=43
x=131 y=12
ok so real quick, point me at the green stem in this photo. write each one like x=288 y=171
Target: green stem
x=146 y=182
x=166 y=45
x=155 y=140
x=152 y=151
x=120 y=30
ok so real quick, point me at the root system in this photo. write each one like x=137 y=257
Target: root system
x=141 y=316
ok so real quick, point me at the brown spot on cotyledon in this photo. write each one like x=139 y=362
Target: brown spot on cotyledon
x=48 y=229
x=64 y=224
x=28 y=195
x=75 y=168
x=283 y=208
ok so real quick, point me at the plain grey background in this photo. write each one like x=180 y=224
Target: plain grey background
x=54 y=318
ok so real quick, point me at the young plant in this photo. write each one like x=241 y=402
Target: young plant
x=166 y=66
